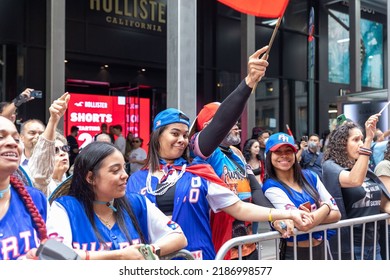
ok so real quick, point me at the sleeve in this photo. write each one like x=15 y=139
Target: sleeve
x=258 y=196
x=58 y=224
x=383 y=168
x=142 y=155
x=41 y=170
x=330 y=174
x=220 y=197
x=279 y=199
x=226 y=116
x=159 y=225
x=325 y=195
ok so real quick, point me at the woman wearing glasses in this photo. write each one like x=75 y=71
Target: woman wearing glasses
x=50 y=160
x=137 y=157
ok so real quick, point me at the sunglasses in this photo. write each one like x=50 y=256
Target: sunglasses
x=64 y=148
x=135 y=141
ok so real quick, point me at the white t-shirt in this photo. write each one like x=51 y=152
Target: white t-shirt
x=138 y=154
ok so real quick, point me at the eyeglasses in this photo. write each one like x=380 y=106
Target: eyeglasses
x=64 y=148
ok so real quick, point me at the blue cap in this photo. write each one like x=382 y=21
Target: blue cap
x=275 y=141
x=168 y=116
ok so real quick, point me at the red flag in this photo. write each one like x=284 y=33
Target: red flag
x=258 y=8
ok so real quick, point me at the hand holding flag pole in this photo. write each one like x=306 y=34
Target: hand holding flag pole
x=271 y=41
x=260 y=8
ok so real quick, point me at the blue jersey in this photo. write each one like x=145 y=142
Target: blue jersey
x=83 y=235
x=17 y=229
x=298 y=198
x=191 y=207
x=231 y=167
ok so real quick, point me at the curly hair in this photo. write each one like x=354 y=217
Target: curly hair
x=246 y=151
x=337 y=147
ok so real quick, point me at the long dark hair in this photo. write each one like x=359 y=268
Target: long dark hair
x=90 y=159
x=298 y=177
x=246 y=151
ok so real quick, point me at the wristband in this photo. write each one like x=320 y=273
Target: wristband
x=270 y=215
x=365 y=151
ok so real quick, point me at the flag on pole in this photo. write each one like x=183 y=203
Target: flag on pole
x=289 y=130
x=258 y=8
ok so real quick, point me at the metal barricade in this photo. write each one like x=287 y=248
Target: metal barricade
x=275 y=236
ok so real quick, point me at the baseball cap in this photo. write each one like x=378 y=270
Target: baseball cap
x=168 y=116
x=205 y=115
x=275 y=141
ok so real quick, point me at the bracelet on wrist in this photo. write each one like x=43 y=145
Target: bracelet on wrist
x=365 y=151
x=270 y=216
x=329 y=208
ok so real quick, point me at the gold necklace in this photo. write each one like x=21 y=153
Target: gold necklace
x=105 y=222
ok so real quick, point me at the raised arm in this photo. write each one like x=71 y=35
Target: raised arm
x=232 y=107
x=42 y=161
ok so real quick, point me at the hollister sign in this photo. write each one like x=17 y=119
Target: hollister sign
x=146 y=15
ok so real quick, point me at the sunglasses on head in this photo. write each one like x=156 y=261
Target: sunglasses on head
x=64 y=148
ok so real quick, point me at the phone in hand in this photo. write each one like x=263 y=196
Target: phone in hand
x=305 y=138
x=147 y=253
x=36 y=94
x=307 y=204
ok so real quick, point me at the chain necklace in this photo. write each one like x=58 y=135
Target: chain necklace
x=106 y=222
x=167 y=184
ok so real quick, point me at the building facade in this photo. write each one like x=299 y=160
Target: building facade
x=112 y=47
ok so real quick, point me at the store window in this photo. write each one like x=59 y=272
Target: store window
x=371 y=50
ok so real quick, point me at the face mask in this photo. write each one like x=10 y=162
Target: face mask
x=312 y=145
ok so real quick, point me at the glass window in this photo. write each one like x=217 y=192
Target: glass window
x=371 y=50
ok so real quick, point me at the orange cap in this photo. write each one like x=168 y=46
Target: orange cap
x=206 y=114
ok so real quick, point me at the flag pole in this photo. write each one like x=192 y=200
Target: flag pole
x=271 y=41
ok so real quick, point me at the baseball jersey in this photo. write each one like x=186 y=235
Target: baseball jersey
x=17 y=229
x=193 y=198
x=68 y=222
x=231 y=167
x=281 y=198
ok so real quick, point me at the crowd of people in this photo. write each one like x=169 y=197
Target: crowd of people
x=193 y=189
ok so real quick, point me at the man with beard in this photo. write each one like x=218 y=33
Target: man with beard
x=210 y=126
x=29 y=133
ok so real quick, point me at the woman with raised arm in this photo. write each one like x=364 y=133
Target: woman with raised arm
x=356 y=189
x=188 y=191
